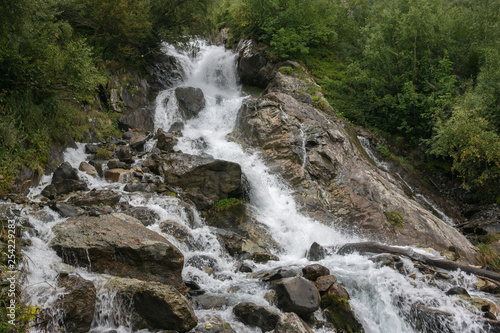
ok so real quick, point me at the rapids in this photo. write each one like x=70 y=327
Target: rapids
x=381 y=297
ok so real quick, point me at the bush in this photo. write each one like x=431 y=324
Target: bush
x=396 y=218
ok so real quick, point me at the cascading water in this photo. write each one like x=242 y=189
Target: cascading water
x=382 y=299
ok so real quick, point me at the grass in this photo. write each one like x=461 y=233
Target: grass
x=396 y=218
x=488 y=256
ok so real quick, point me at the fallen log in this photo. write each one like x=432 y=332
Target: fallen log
x=373 y=247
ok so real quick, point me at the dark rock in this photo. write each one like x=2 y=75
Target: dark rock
x=172 y=228
x=276 y=274
x=77 y=303
x=141 y=119
x=253 y=67
x=65 y=180
x=211 y=178
x=201 y=261
x=49 y=191
x=128 y=135
x=262 y=257
x=137 y=141
x=155 y=306
x=96 y=197
x=91 y=149
x=297 y=295
x=98 y=166
x=256 y=316
x=338 y=312
x=118 y=244
x=166 y=141
x=312 y=272
x=116 y=164
x=143 y=214
x=178 y=126
x=124 y=155
x=191 y=101
x=316 y=252
x=457 y=291
x=291 y=323
x=64 y=172
x=65 y=209
x=337 y=291
x=117 y=175
x=210 y=301
x=323 y=283
x=139 y=187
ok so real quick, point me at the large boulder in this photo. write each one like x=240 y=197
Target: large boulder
x=253 y=68
x=256 y=316
x=291 y=323
x=144 y=214
x=203 y=177
x=166 y=141
x=96 y=197
x=64 y=180
x=334 y=180
x=313 y=272
x=120 y=245
x=77 y=304
x=297 y=295
x=154 y=306
x=191 y=101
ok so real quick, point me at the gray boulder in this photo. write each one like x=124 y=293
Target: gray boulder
x=313 y=272
x=143 y=214
x=166 y=141
x=64 y=180
x=120 y=245
x=77 y=304
x=256 y=316
x=291 y=323
x=155 y=306
x=96 y=197
x=191 y=101
x=297 y=295
x=253 y=67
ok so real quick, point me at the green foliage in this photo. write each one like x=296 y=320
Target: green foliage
x=396 y=218
x=226 y=204
x=487 y=255
x=103 y=154
x=286 y=70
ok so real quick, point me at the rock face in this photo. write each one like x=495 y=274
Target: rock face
x=333 y=178
x=155 y=305
x=191 y=101
x=204 y=177
x=96 y=197
x=78 y=303
x=256 y=316
x=120 y=245
x=253 y=68
x=297 y=295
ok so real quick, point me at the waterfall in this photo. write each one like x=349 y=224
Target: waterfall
x=381 y=297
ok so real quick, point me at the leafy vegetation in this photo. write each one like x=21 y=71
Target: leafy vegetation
x=425 y=71
x=396 y=218
x=226 y=204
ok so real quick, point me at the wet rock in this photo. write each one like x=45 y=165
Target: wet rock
x=96 y=197
x=338 y=312
x=142 y=119
x=120 y=245
x=65 y=209
x=116 y=164
x=316 y=252
x=312 y=272
x=91 y=148
x=263 y=257
x=88 y=169
x=337 y=291
x=117 y=175
x=276 y=274
x=77 y=304
x=144 y=214
x=137 y=141
x=139 y=187
x=166 y=141
x=202 y=176
x=389 y=260
x=211 y=301
x=201 y=261
x=256 y=316
x=427 y=319
x=178 y=126
x=323 y=283
x=175 y=229
x=124 y=154
x=253 y=67
x=155 y=305
x=291 y=323
x=297 y=295
x=64 y=180
x=97 y=164
x=191 y=101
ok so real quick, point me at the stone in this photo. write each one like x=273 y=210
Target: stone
x=297 y=295
x=202 y=176
x=337 y=291
x=263 y=257
x=137 y=141
x=155 y=306
x=312 y=272
x=255 y=315
x=191 y=101
x=88 y=169
x=64 y=180
x=140 y=187
x=178 y=126
x=120 y=245
x=124 y=154
x=77 y=304
x=211 y=301
x=323 y=283
x=142 y=119
x=65 y=209
x=253 y=68
x=96 y=197
x=316 y=252
x=338 y=312
x=176 y=230
x=291 y=323
x=91 y=148
x=144 y=214
x=116 y=164
x=64 y=172
x=166 y=141
x=117 y=175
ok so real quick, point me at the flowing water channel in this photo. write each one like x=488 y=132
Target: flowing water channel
x=381 y=298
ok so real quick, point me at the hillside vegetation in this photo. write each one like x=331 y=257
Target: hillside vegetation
x=425 y=73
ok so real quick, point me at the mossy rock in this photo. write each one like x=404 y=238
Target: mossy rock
x=338 y=312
